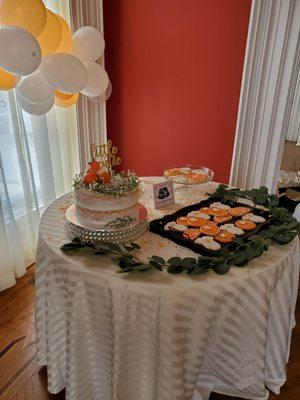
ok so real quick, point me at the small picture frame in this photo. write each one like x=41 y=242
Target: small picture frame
x=163 y=194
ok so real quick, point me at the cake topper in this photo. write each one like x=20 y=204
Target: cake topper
x=106 y=154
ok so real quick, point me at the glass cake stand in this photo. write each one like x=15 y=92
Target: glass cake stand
x=132 y=231
x=186 y=184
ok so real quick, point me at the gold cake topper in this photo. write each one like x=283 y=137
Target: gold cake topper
x=106 y=154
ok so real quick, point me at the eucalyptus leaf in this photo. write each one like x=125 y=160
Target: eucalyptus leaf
x=158 y=259
x=114 y=247
x=224 y=252
x=128 y=248
x=71 y=246
x=135 y=245
x=197 y=270
x=174 y=261
x=173 y=269
x=274 y=201
x=238 y=258
x=188 y=262
x=221 y=268
x=156 y=265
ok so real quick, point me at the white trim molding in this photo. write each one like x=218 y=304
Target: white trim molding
x=268 y=85
x=91 y=117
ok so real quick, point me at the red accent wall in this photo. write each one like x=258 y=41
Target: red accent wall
x=176 y=69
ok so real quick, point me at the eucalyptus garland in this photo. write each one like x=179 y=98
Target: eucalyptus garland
x=282 y=229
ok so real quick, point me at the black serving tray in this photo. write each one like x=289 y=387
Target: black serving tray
x=157 y=225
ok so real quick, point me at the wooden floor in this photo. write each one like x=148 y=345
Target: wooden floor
x=22 y=379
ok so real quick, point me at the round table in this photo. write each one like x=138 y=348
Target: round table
x=157 y=336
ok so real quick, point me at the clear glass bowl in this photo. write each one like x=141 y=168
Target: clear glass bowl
x=189 y=174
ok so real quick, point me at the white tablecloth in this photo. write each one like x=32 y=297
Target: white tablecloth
x=156 y=336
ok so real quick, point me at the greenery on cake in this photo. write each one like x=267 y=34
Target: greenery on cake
x=120 y=184
x=120 y=222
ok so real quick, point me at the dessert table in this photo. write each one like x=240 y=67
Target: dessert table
x=153 y=335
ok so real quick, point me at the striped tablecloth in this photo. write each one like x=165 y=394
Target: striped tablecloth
x=156 y=336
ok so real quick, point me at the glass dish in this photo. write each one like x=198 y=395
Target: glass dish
x=189 y=174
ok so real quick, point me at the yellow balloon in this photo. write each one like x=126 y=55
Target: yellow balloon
x=27 y=14
x=51 y=36
x=65 y=100
x=7 y=80
x=66 y=41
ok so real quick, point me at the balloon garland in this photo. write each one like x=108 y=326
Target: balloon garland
x=44 y=62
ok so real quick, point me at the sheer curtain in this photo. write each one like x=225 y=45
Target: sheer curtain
x=38 y=159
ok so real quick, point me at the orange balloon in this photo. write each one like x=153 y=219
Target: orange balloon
x=51 y=36
x=28 y=14
x=65 y=100
x=7 y=80
x=66 y=40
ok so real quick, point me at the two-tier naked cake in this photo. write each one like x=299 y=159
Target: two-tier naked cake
x=103 y=198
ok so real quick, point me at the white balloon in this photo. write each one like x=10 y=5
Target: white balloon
x=104 y=96
x=97 y=80
x=88 y=44
x=64 y=72
x=34 y=88
x=20 y=52
x=36 y=108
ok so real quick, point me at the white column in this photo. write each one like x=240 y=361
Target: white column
x=269 y=78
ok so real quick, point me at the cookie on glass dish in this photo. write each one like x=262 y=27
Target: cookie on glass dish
x=172 y=172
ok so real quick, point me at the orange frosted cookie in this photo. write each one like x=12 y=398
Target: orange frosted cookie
x=221 y=220
x=191 y=234
x=239 y=211
x=209 y=230
x=197 y=177
x=224 y=237
x=173 y=172
x=245 y=224
x=196 y=222
x=205 y=210
x=182 y=221
x=218 y=212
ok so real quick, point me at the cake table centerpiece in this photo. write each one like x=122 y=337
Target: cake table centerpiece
x=106 y=203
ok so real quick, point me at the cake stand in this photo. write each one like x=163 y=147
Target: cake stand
x=132 y=231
